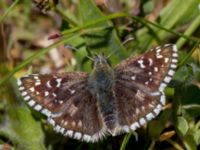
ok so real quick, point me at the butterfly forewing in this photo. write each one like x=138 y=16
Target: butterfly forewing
x=140 y=83
x=150 y=69
x=49 y=93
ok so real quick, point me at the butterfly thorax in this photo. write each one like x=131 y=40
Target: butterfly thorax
x=101 y=84
x=103 y=75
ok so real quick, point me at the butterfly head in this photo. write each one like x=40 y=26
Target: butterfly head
x=100 y=61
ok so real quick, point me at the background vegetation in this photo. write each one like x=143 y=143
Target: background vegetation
x=99 y=26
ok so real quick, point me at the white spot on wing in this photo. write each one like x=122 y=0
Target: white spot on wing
x=32 y=89
x=72 y=91
x=162 y=87
x=86 y=137
x=174 y=48
x=167 y=79
x=158 y=50
x=156 y=69
x=69 y=133
x=24 y=93
x=58 y=82
x=150 y=116
x=51 y=121
x=159 y=106
x=46 y=112
x=36 y=77
x=37 y=83
x=141 y=63
x=158 y=109
x=77 y=135
x=125 y=128
x=57 y=128
x=142 y=121
x=73 y=109
x=60 y=101
x=21 y=88
x=133 y=77
x=162 y=99
x=173 y=66
x=62 y=130
x=31 y=103
x=166 y=60
x=134 y=126
x=38 y=107
x=150 y=62
x=54 y=94
x=171 y=72
x=155 y=93
x=46 y=93
x=80 y=123
x=19 y=82
x=174 y=60
x=48 y=84
x=137 y=110
x=159 y=56
x=65 y=123
x=175 y=55
x=27 y=98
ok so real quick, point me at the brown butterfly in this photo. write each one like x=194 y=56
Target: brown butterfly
x=107 y=101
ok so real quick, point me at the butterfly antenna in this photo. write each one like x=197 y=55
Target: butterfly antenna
x=109 y=55
x=128 y=40
x=71 y=47
x=125 y=42
x=90 y=58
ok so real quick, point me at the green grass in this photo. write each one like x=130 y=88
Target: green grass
x=95 y=30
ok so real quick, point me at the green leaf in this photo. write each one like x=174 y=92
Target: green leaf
x=182 y=125
x=155 y=132
x=20 y=127
x=105 y=41
x=169 y=17
x=189 y=142
x=148 y=7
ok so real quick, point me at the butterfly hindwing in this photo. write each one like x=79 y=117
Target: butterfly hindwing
x=82 y=122
x=136 y=107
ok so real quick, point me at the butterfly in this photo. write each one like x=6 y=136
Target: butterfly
x=108 y=101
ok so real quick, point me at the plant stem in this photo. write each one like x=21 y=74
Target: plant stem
x=8 y=11
x=175 y=145
x=65 y=17
x=195 y=24
x=125 y=141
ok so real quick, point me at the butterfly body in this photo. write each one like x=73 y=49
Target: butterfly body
x=101 y=84
x=108 y=100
